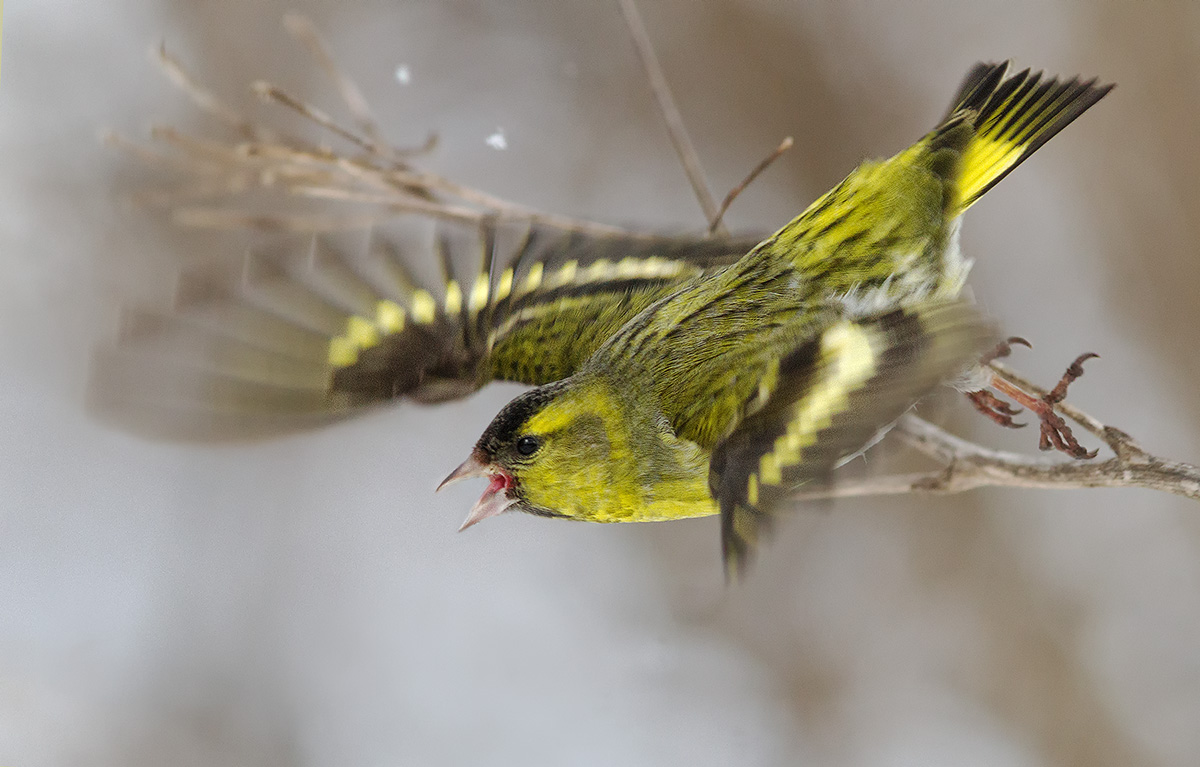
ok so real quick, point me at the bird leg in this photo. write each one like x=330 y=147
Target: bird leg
x=1055 y=433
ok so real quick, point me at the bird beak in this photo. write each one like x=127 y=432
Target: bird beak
x=472 y=467
x=495 y=499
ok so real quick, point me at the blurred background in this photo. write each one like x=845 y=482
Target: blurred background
x=306 y=601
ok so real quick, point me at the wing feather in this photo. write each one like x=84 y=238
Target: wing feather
x=299 y=336
x=827 y=398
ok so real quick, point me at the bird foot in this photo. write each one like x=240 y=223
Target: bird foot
x=995 y=408
x=1055 y=433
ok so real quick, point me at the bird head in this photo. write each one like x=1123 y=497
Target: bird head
x=557 y=450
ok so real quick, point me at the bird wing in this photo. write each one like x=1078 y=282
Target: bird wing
x=293 y=340
x=825 y=398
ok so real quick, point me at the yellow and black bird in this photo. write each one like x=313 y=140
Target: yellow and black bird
x=674 y=377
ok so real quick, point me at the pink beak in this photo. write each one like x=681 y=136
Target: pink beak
x=495 y=499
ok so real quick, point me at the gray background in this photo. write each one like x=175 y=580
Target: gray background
x=306 y=601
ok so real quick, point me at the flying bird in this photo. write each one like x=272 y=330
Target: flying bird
x=673 y=377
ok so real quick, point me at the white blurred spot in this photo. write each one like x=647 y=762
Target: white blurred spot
x=403 y=74
x=497 y=140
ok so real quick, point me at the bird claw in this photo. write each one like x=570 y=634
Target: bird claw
x=995 y=408
x=1074 y=371
x=1055 y=434
x=1003 y=349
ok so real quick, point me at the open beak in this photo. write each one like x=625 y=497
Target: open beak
x=495 y=499
x=471 y=468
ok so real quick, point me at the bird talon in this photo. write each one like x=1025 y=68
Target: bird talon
x=1054 y=433
x=1057 y=434
x=995 y=408
x=1003 y=349
x=1007 y=409
x=1074 y=371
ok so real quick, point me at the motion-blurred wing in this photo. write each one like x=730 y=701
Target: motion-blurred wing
x=294 y=340
x=826 y=399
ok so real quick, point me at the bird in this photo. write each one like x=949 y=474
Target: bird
x=672 y=377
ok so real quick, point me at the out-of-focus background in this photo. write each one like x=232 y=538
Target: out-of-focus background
x=306 y=601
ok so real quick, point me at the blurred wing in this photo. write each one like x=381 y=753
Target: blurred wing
x=291 y=342
x=827 y=398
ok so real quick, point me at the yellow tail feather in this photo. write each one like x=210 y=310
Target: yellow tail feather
x=1011 y=118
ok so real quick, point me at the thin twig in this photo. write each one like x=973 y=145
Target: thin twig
x=206 y=100
x=784 y=145
x=670 y=114
x=239 y=218
x=149 y=157
x=268 y=92
x=968 y=466
x=192 y=192
x=302 y=28
x=218 y=154
x=271 y=160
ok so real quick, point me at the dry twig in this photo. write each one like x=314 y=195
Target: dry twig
x=671 y=116
x=784 y=145
x=260 y=159
x=967 y=466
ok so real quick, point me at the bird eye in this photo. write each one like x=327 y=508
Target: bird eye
x=528 y=445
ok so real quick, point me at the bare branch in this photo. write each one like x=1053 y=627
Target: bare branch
x=967 y=466
x=268 y=160
x=268 y=92
x=784 y=145
x=156 y=159
x=671 y=116
x=970 y=466
x=206 y=100
x=302 y=28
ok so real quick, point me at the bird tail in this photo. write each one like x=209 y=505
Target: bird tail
x=996 y=122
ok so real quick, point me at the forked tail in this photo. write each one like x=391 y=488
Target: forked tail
x=997 y=122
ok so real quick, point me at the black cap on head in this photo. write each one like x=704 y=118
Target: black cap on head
x=504 y=427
